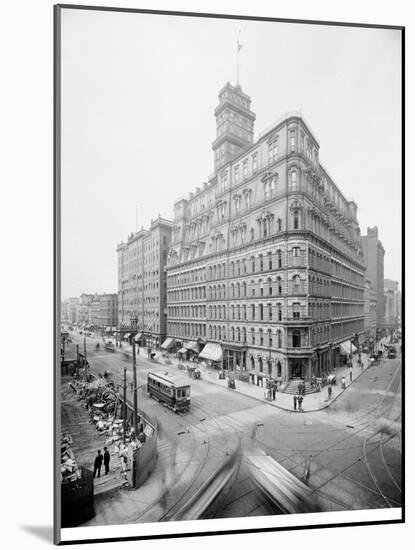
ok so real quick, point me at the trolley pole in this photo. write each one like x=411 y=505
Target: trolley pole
x=85 y=362
x=124 y=416
x=135 y=392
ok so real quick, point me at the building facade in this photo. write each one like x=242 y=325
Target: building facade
x=374 y=255
x=103 y=310
x=83 y=309
x=392 y=306
x=142 y=283
x=265 y=267
x=370 y=311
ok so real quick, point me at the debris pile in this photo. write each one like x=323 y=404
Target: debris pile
x=69 y=467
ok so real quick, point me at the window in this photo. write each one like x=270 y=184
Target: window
x=279 y=312
x=252 y=335
x=270 y=312
x=269 y=338
x=245 y=168
x=261 y=312
x=292 y=140
x=261 y=337
x=279 y=286
x=224 y=181
x=236 y=174
x=296 y=339
x=279 y=224
x=252 y=264
x=294 y=179
x=269 y=286
x=254 y=162
x=279 y=339
x=248 y=200
x=273 y=148
x=266 y=190
x=272 y=185
x=253 y=311
x=296 y=311
x=296 y=219
x=279 y=259
x=261 y=262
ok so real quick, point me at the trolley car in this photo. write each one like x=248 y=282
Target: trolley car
x=170 y=389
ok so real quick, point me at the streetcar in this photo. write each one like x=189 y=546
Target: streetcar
x=173 y=390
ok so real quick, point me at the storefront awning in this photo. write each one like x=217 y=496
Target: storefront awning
x=191 y=345
x=167 y=344
x=138 y=337
x=126 y=336
x=212 y=352
x=182 y=350
x=345 y=348
x=108 y=329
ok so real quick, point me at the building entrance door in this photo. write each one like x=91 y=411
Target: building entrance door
x=297 y=369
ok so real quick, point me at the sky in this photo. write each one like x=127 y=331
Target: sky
x=138 y=96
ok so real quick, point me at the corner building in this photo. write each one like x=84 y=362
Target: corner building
x=265 y=268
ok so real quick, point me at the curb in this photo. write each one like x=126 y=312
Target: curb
x=281 y=407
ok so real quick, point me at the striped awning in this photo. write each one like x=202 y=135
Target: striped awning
x=212 y=352
x=167 y=344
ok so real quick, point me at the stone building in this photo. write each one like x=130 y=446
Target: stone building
x=370 y=310
x=265 y=273
x=374 y=255
x=103 y=310
x=392 y=307
x=83 y=309
x=142 y=284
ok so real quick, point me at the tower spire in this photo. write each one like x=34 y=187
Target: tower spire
x=238 y=49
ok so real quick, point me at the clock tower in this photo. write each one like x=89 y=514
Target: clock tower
x=234 y=125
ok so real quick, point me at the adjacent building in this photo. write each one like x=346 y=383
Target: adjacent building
x=265 y=273
x=392 y=303
x=142 y=284
x=83 y=318
x=374 y=255
x=103 y=311
x=370 y=311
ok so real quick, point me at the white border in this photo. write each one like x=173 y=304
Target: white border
x=229 y=524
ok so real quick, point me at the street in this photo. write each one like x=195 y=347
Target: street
x=354 y=459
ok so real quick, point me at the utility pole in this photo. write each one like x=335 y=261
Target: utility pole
x=135 y=392
x=85 y=362
x=77 y=361
x=125 y=406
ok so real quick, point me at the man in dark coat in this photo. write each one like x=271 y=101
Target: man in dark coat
x=106 y=460
x=98 y=463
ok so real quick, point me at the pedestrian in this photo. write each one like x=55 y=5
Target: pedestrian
x=351 y=372
x=106 y=460
x=98 y=463
x=300 y=403
x=295 y=402
x=329 y=391
x=273 y=391
x=343 y=383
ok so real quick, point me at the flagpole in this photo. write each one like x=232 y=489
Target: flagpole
x=238 y=48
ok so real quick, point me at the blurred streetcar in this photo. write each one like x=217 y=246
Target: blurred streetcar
x=282 y=488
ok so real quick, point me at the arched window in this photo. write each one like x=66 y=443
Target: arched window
x=244 y=289
x=260 y=364
x=238 y=287
x=279 y=338
x=269 y=364
x=296 y=284
x=238 y=334
x=279 y=312
x=219 y=333
x=261 y=288
x=210 y=332
x=294 y=179
x=252 y=233
x=279 y=286
x=296 y=339
x=279 y=369
x=269 y=284
x=252 y=336
x=296 y=219
x=252 y=363
x=270 y=312
x=261 y=312
x=261 y=337
x=244 y=335
x=214 y=333
x=233 y=334
x=269 y=338
x=279 y=259
x=253 y=311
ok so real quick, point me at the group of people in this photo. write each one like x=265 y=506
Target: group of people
x=102 y=458
x=298 y=402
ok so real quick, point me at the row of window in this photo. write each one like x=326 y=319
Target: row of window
x=187 y=294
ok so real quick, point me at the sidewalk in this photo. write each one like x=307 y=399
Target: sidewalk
x=312 y=402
